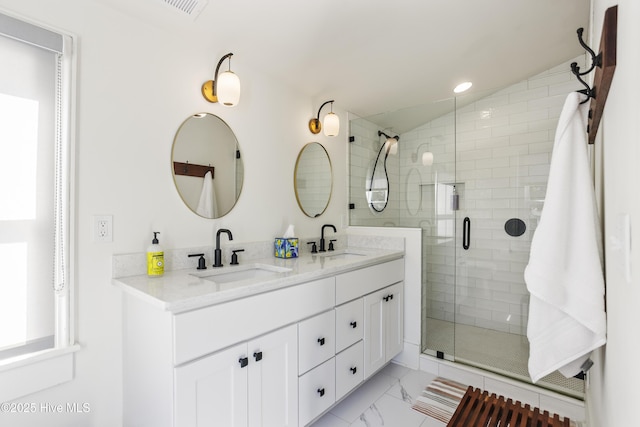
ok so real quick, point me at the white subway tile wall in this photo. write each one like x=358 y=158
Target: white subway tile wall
x=496 y=152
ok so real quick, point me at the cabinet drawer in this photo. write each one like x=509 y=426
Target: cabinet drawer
x=349 y=324
x=316 y=340
x=355 y=284
x=317 y=391
x=200 y=332
x=349 y=369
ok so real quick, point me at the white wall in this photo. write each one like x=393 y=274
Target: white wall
x=136 y=85
x=612 y=394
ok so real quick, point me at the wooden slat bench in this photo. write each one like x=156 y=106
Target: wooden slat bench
x=479 y=409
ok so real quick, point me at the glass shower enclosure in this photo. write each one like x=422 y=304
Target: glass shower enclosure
x=473 y=178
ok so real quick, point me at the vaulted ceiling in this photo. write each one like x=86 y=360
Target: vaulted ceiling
x=379 y=56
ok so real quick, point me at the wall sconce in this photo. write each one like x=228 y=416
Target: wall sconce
x=224 y=88
x=427 y=156
x=391 y=144
x=331 y=122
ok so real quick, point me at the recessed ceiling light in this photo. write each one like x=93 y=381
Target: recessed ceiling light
x=462 y=87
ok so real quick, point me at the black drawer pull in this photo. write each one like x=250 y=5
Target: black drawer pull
x=353 y=370
x=258 y=356
x=321 y=341
x=354 y=325
x=321 y=392
x=388 y=297
x=244 y=361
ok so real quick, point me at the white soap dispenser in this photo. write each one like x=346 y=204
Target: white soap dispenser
x=155 y=257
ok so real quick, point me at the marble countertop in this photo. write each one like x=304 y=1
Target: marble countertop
x=189 y=289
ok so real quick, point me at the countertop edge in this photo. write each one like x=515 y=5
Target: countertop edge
x=127 y=284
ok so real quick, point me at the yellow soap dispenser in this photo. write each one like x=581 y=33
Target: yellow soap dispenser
x=155 y=257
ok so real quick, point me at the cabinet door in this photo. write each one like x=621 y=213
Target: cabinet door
x=374 y=331
x=212 y=391
x=273 y=379
x=383 y=327
x=394 y=319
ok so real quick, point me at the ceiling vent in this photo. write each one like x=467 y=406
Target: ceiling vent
x=191 y=8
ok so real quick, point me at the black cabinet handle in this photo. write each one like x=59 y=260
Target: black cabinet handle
x=353 y=370
x=388 y=297
x=466 y=233
x=244 y=361
x=321 y=341
x=354 y=324
x=321 y=392
x=258 y=356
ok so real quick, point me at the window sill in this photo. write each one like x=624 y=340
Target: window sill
x=24 y=375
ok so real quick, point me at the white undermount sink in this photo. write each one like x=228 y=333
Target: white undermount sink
x=240 y=272
x=342 y=254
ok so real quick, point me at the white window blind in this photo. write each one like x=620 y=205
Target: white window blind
x=34 y=189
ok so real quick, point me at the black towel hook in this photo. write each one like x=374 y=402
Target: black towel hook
x=596 y=61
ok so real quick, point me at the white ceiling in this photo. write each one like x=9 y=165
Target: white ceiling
x=378 y=56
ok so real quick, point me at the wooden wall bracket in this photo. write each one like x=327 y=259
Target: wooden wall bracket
x=604 y=73
x=191 y=169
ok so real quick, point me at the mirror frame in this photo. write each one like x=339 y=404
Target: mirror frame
x=196 y=164
x=295 y=178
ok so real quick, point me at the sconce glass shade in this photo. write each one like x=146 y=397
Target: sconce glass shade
x=331 y=124
x=427 y=158
x=228 y=89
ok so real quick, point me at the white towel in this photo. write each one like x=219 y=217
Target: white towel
x=207 y=206
x=564 y=275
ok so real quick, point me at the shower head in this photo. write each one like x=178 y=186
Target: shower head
x=397 y=137
x=391 y=143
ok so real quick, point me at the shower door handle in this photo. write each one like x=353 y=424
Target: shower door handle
x=466 y=233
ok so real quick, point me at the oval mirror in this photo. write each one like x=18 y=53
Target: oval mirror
x=206 y=165
x=313 y=179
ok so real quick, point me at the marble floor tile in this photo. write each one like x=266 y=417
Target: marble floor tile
x=358 y=401
x=385 y=399
x=389 y=411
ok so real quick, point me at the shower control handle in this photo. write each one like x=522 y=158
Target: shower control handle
x=466 y=233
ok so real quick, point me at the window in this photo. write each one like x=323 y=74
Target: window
x=35 y=189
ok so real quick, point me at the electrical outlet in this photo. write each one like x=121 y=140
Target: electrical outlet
x=103 y=228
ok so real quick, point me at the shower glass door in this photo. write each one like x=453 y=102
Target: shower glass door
x=503 y=149
x=472 y=176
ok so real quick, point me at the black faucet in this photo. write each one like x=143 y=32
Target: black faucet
x=217 y=253
x=322 y=249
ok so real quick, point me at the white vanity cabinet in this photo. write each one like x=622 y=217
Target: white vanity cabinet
x=275 y=358
x=246 y=385
x=384 y=326
x=381 y=290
